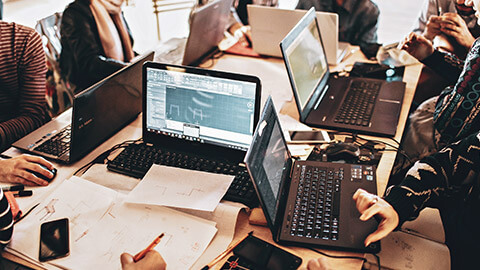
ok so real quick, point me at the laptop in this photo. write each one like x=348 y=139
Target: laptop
x=98 y=112
x=270 y=25
x=359 y=105
x=207 y=26
x=195 y=119
x=307 y=203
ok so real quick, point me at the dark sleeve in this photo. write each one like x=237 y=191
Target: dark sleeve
x=32 y=107
x=87 y=52
x=6 y=221
x=445 y=64
x=432 y=179
x=457 y=110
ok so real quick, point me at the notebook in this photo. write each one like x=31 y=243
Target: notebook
x=207 y=26
x=307 y=203
x=98 y=112
x=270 y=25
x=360 y=105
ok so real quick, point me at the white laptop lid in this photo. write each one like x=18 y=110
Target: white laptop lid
x=270 y=25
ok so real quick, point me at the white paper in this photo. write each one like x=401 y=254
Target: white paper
x=131 y=228
x=176 y=187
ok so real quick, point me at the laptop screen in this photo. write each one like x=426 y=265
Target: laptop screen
x=200 y=108
x=268 y=160
x=305 y=58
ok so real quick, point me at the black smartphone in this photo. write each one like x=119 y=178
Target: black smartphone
x=264 y=255
x=54 y=240
x=309 y=136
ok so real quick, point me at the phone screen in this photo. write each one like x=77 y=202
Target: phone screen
x=54 y=240
x=265 y=255
x=313 y=136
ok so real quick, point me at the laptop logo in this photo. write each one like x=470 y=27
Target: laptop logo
x=84 y=124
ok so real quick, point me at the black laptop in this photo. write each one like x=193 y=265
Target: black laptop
x=196 y=119
x=307 y=203
x=98 y=112
x=361 y=105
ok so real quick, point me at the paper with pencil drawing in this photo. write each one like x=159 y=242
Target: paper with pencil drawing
x=176 y=187
x=102 y=227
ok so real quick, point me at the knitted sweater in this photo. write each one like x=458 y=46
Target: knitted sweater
x=451 y=172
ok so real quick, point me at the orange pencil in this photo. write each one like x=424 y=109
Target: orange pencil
x=142 y=253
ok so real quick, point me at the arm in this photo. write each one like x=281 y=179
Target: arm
x=6 y=221
x=152 y=260
x=435 y=177
x=456 y=112
x=31 y=105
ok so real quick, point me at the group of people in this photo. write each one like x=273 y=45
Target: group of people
x=441 y=144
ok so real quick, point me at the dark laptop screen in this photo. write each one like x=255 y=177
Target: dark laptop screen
x=306 y=60
x=200 y=108
x=268 y=160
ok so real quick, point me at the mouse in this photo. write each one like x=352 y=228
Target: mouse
x=41 y=176
x=342 y=151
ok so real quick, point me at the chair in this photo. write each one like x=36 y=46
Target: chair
x=59 y=92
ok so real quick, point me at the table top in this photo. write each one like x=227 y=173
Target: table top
x=275 y=82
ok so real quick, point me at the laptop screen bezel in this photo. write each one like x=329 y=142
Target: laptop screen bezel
x=206 y=149
x=321 y=87
x=268 y=113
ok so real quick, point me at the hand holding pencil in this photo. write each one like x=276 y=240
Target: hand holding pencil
x=145 y=259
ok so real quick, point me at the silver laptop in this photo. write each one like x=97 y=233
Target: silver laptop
x=207 y=27
x=98 y=112
x=270 y=25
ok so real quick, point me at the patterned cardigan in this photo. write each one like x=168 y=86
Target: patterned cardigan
x=458 y=106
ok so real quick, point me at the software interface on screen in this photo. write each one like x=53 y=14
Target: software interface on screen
x=307 y=62
x=200 y=108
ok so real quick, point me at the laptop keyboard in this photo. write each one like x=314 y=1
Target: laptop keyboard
x=136 y=160
x=317 y=205
x=357 y=108
x=58 y=144
x=173 y=55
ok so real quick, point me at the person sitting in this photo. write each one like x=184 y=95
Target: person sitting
x=447 y=180
x=445 y=118
x=96 y=41
x=22 y=98
x=358 y=19
x=450 y=24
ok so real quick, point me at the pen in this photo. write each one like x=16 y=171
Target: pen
x=142 y=253
x=23 y=193
x=5 y=156
x=14 y=188
x=223 y=254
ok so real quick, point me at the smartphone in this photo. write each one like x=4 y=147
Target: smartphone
x=54 y=240
x=309 y=136
x=264 y=255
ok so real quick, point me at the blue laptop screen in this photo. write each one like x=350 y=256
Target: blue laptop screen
x=200 y=108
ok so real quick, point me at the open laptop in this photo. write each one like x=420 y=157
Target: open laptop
x=307 y=203
x=195 y=119
x=270 y=25
x=98 y=112
x=362 y=105
x=207 y=26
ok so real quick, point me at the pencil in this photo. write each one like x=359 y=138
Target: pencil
x=223 y=254
x=142 y=253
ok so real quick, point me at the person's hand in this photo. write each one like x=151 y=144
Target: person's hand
x=433 y=27
x=370 y=205
x=19 y=170
x=152 y=261
x=318 y=264
x=418 y=46
x=453 y=25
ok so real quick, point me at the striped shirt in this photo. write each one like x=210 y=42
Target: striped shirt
x=6 y=221
x=23 y=106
